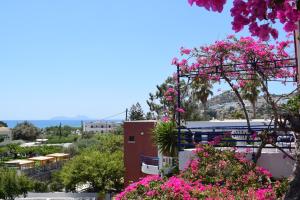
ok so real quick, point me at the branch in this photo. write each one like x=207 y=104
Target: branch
x=286 y=95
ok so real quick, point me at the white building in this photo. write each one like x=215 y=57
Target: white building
x=100 y=126
x=5 y=135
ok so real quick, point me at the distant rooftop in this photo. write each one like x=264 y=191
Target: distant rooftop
x=19 y=162
x=41 y=158
x=4 y=129
x=57 y=155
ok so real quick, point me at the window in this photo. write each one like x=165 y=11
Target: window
x=131 y=139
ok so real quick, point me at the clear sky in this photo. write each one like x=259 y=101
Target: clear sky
x=93 y=57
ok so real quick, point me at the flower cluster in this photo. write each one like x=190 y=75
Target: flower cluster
x=259 y=15
x=244 y=62
x=212 y=174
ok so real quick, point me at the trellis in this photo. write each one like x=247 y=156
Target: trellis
x=242 y=74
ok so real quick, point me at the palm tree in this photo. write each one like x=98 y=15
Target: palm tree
x=201 y=90
x=165 y=137
x=251 y=92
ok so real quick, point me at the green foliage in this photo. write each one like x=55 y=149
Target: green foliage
x=13 y=185
x=3 y=124
x=250 y=92
x=237 y=114
x=38 y=186
x=62 y=131
x=136 y=112
x=54 y=139
x=15 y=151
x=104 y=171
x=293 y=104
x=25 y=131
x=98 y=161
x=201 y=90
x=158 y=104
x=165 y=136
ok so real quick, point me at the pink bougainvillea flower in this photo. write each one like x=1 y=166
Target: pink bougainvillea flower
x=181 y=110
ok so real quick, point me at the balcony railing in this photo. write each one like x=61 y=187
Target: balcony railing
x=231 y=136
x=150 y=165
x=148 y=160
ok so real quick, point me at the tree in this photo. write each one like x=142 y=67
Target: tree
x=12 y=185
x=136 y=112
x=165 y=137
x=164 y=100
x=25 y=131
x=238 y=61
x=3 y=124
x=250 y=92
x=201 y=90
x=291 y=114
x=258 y=15
x=102 y=171
x=157 y=102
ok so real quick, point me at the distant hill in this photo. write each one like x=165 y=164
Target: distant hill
x=225 y=104
x=79 y=117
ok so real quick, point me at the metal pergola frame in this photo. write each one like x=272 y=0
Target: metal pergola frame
x=292 y=63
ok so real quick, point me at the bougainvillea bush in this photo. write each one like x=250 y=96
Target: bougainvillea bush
x=259 y=15
x=211 y=174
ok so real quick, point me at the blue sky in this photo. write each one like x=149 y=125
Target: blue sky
x=93 y=57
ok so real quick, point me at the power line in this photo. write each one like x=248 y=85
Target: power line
x=111 y=116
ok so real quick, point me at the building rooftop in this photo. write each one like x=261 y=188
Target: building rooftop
x=4 y=129
x=41 y=158
x=58 y=155
x=41 y=140
x=19 y=162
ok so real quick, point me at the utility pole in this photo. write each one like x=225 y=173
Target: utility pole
x=126 y=118
x=297 y=51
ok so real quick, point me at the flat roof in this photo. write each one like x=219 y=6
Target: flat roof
x=5 y=130
x=41 y=158
x=57 y=155
x=41 y=140
x=140 y=121
x=19 y=162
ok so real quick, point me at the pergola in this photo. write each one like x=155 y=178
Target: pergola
x=59 y=156
x=20 y=164
x=287 y=64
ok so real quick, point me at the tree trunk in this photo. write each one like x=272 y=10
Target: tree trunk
x=205 y=110
x=254 y=109
x=294 y=188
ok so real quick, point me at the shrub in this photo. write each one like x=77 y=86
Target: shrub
x=211 y=174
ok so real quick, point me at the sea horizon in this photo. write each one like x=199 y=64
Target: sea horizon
x=48 y=123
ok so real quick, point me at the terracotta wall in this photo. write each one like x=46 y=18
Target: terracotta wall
x=142 y=145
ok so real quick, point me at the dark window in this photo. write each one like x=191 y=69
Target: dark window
x=102 y=126
x=131 y=139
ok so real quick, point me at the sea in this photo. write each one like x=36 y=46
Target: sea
x=45 y=123
x=48 y=123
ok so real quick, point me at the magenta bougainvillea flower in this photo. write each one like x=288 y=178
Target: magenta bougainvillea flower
x=259 y=15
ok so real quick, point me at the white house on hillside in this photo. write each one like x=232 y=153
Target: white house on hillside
x=100 y=126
